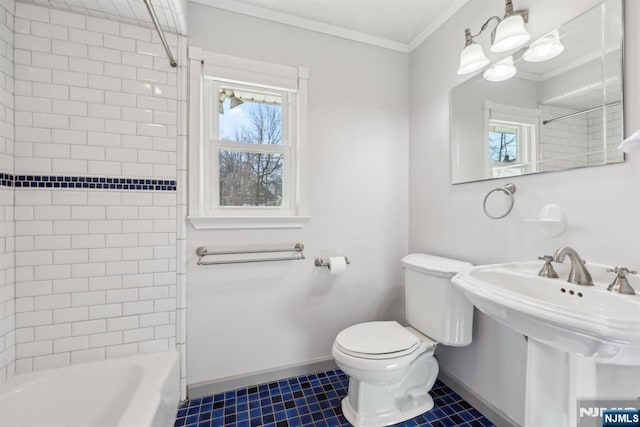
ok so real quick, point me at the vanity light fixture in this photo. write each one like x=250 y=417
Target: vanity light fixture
x=472 y=57
x=501 y=70
x=547 y=47
x=510 y=33
x=234 y=101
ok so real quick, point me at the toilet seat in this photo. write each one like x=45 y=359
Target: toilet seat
x=377 y=340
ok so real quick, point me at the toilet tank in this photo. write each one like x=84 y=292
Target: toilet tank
x=434 y=305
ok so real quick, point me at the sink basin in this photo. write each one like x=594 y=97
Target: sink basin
x=585 y=320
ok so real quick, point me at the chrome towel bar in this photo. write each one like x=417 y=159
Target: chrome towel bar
x=203 y=252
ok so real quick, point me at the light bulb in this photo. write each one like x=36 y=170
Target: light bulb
x=510 y=34
x=501 y=70
x=472 y=58
x=545 y=48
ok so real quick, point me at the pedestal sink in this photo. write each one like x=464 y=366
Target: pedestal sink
x=570 y=329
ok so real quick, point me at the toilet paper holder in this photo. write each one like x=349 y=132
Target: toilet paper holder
x=324 y=262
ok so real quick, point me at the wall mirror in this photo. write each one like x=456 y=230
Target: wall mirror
x=563 y=108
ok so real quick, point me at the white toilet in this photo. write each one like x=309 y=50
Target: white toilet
x=392 y=367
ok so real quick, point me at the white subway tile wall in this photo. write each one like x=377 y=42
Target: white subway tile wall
x=7 y=225
x=95 y=269
x=181 y=233
x=86 y=109
x=129 y=11
x=563 y=143
x=609 y=152
x=578 y=141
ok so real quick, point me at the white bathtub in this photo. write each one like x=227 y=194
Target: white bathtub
x=136 y=391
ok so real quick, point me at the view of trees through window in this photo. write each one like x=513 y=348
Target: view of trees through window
x=503 y=143
x=250 y=177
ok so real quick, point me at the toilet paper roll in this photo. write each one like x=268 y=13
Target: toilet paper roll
x=337 y=265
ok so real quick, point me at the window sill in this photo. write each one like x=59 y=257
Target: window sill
x=247 y=222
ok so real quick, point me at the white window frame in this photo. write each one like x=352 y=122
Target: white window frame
x=528 y=122
x=207 y=70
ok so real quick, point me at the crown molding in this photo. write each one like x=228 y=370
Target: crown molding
x=179 y=10
x=437 y=23
x=304 y=23
x=529 y=76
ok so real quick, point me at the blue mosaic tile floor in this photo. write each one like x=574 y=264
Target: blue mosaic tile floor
x=311 y=400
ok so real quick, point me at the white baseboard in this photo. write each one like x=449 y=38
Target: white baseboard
x=219 y=385
x=493 y=414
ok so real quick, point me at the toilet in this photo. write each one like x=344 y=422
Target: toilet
x=391 y=367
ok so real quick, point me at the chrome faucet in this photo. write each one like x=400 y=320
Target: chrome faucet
x=579 y=273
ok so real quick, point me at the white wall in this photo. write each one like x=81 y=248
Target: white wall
x=251 y=317
x=601 y=203
x=95 y=268
x=7 y=285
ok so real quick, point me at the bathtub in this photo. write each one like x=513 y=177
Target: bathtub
x=136 y=391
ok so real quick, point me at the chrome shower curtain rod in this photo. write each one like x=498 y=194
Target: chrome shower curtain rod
x=163 y=39
x=611 y=104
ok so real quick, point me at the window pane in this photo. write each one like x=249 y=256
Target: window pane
x=503 y=144
x=248 y=116
x=250 y=179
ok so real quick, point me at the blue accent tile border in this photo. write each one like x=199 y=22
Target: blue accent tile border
x=85 y=182
x=311 y=400
x=6 y=180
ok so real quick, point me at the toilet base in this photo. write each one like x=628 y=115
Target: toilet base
x=375 y=405
x=406 y=410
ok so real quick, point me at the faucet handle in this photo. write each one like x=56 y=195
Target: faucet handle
x=620 y=284
x=547 y=269
x=621 y=271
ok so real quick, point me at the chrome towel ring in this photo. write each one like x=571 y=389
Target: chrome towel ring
x=509 y=190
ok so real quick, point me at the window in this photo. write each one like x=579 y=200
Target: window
x=246 y=162
x=503 y=143
x=251 y=146
x=511 y=145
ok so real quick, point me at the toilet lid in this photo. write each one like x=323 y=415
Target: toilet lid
x=381 y=339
